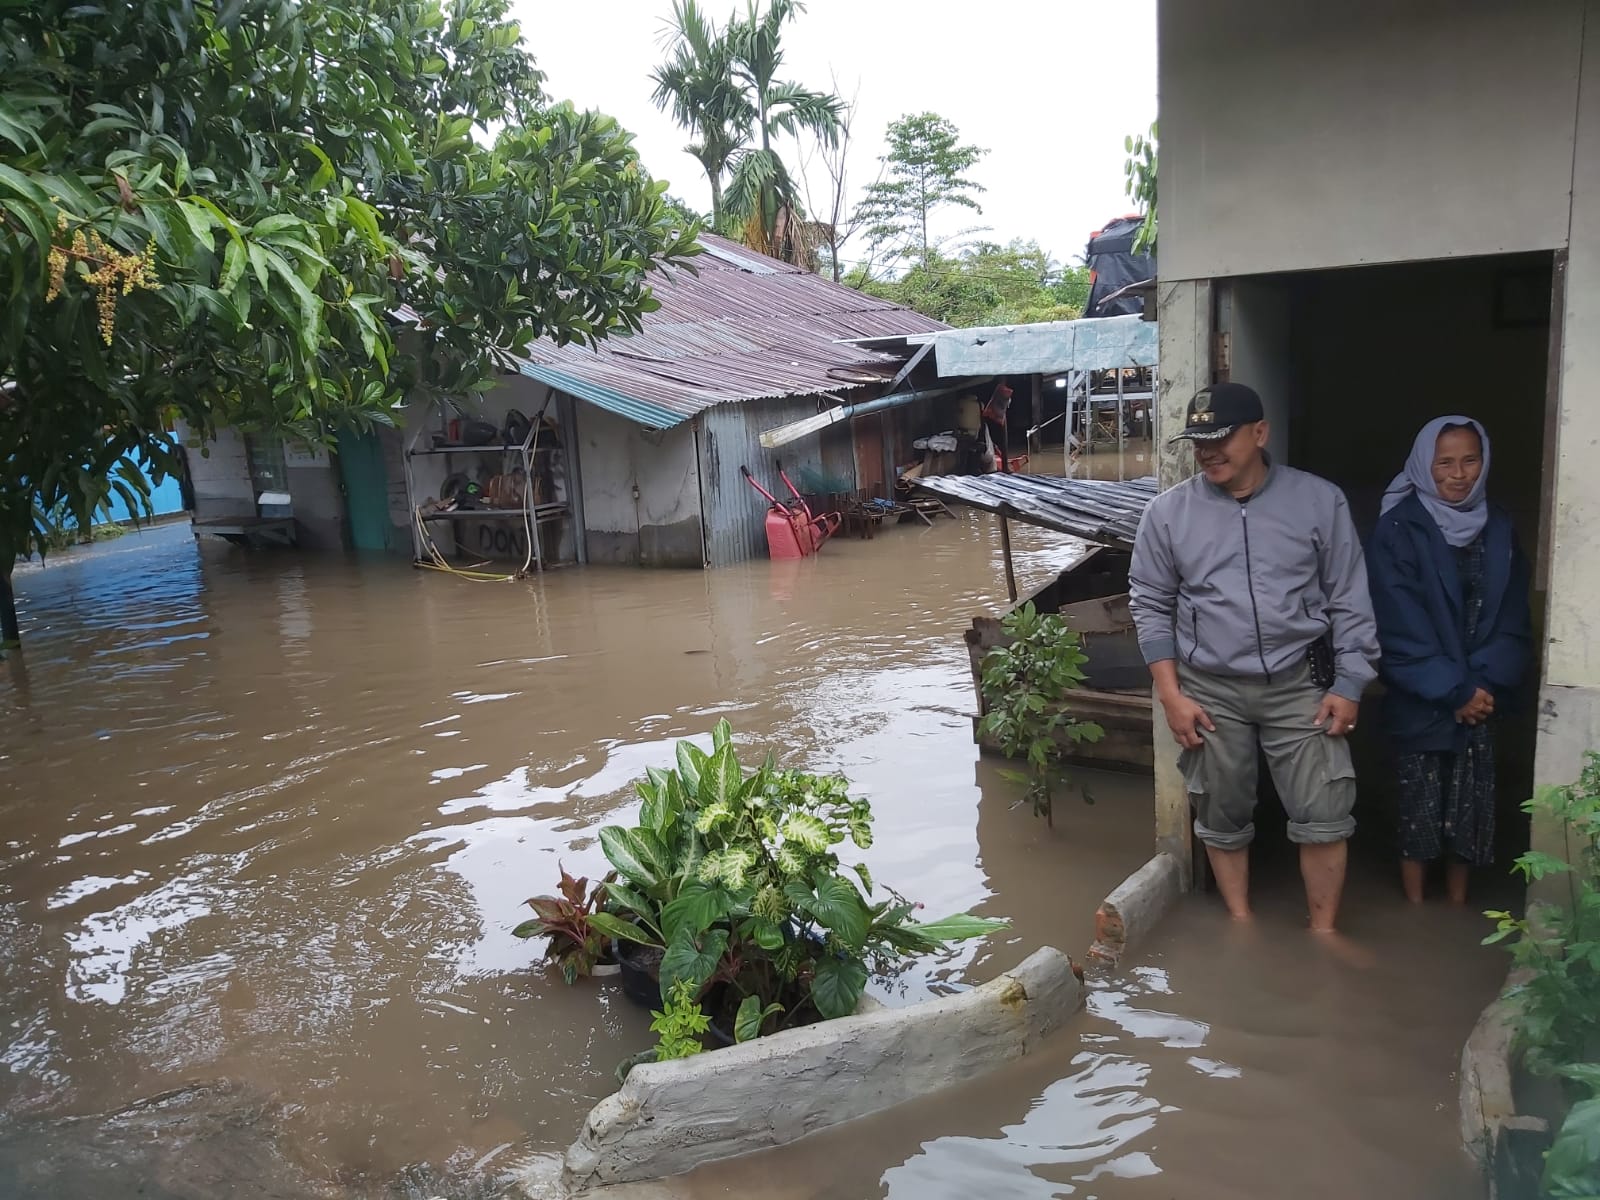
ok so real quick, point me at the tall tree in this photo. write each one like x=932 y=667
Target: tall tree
x=1139 y=171
x=926 y=169
x=835 y=221
x=209 y=208
x=987 y=284
x=697 y=86
x=762 y=193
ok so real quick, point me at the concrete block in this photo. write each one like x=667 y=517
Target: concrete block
x=1132 y=910
x=1487 y=1102
x=671 y=1117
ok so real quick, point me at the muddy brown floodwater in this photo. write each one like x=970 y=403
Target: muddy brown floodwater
x=268 y=821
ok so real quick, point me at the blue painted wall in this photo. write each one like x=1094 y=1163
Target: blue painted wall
x=165 y=498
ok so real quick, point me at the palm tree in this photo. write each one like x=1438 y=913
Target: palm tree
x=762 y=191
x=696 y=84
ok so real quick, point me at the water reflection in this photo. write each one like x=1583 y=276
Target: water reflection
x=271 y=818
x=1086 y=1118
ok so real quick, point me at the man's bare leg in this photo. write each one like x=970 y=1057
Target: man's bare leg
x=1322 y=867
x=1232 y=869
x=1413 y=874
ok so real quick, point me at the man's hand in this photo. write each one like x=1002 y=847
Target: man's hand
x=1186 y=718
x=1337 y=716
x=1477 y=710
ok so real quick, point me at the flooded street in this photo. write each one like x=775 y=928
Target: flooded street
x=270 y=818
x=1219 y=1062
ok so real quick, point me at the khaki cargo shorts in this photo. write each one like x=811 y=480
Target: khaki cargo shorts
x=1312 y=771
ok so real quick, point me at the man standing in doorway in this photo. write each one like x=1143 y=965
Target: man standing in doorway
x=1249 y=593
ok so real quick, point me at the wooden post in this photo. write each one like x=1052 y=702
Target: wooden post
x=1011 y=572
x=1005 y=525
x=1066 y=441
x=1121 y=423
x=1035 y=442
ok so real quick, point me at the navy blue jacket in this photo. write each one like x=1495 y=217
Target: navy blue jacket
x=1428 y=666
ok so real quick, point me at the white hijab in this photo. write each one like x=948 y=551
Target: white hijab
x=1460 y=523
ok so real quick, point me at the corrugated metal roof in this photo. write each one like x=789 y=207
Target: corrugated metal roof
x=1096 y=510
x=733 y=511
x=745 y=327
x=1046 y=348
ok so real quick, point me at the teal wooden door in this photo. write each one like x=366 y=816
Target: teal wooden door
x=366 y=491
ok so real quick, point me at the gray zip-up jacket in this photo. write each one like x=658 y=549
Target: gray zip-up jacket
x=1245 y=589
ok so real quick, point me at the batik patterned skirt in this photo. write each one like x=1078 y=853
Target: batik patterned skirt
x=1447 y=802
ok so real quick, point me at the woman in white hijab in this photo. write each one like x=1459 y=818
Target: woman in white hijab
x=1450 y=591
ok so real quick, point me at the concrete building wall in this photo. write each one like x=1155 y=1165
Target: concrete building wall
x=730 y=438
x=668 y=471
x=605 y=447
x=220 y=472
x=219 y=469
x=1299 y=134
x=1256 y=316
x=499 y=539
x=1185 y=316
x=1569 y=702
x=311 y=474
x=641 y=491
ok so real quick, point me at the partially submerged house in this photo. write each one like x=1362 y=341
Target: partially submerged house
x=664 y=419
x=629 y=452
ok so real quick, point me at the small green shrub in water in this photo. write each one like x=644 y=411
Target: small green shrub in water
x=1557 y=1006
x=1026 y=685
x=680 y=1024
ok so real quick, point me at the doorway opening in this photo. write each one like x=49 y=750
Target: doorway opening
x=1350 y=364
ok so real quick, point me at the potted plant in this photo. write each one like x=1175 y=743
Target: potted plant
x=578 y=928
x=734 y=878
x=1026 y=685
x=1556 y=1013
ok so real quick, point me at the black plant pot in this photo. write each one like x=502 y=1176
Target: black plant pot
x=641 y=973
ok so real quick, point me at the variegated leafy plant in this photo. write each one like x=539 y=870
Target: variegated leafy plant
x=736 y=875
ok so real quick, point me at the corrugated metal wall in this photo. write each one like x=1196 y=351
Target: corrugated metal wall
x=735 y=514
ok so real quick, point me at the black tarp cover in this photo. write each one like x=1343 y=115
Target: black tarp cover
x=1113 y=265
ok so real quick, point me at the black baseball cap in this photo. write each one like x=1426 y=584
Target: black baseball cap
x=1218 y=410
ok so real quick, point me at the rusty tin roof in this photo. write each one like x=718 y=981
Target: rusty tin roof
x=741 y=327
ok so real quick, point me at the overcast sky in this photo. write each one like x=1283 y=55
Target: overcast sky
x=1050 y=87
